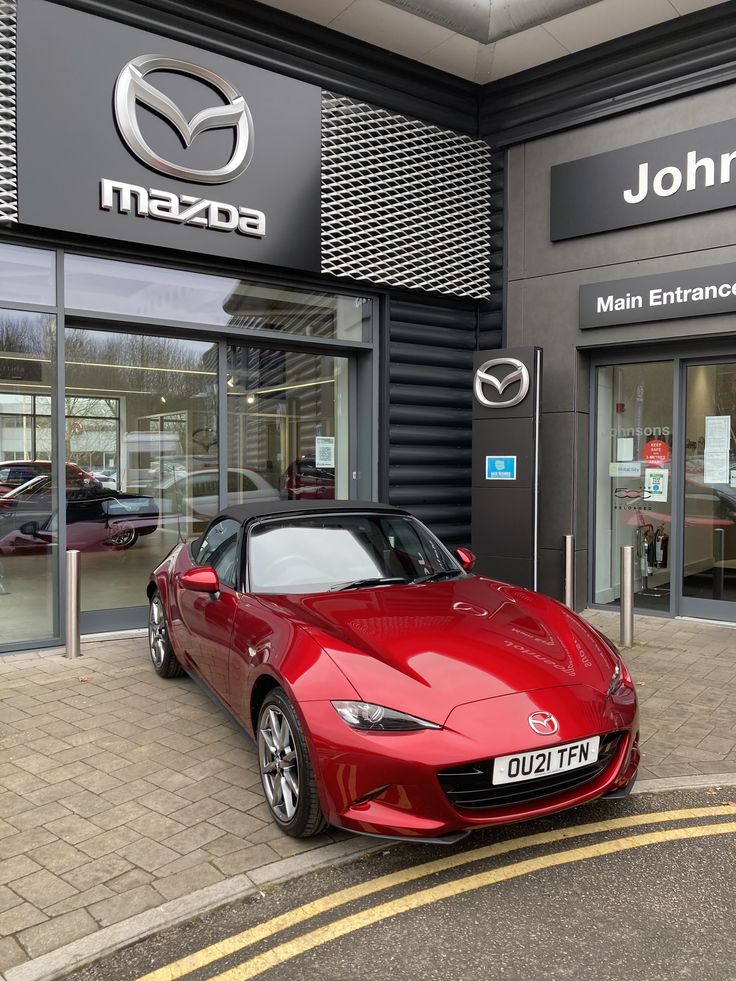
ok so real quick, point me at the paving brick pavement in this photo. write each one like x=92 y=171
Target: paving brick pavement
x=120 y=791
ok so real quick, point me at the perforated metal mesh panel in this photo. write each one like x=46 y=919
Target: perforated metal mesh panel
x=8 y=173
x=404 y=203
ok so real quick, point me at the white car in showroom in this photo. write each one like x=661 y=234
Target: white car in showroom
x=196 y=493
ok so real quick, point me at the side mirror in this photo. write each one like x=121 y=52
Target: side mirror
x=465 y=557
x=200 y=579
x=30 y=528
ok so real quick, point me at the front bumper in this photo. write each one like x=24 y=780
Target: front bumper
x=387 y=783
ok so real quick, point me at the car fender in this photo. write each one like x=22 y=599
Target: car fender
x=161 y=576
x=264 y=646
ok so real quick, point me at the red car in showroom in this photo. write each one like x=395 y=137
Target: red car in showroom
x=389 y=690
x=13 y=473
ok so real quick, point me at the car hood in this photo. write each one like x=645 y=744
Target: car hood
x=427 y=648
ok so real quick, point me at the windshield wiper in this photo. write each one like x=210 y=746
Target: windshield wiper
x=436 y=576
x=359 y=583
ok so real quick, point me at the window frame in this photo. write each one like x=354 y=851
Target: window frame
x=199 y=541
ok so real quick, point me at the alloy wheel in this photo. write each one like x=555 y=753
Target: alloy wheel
x=279 y=764
x=157 y=639
x=123 y=538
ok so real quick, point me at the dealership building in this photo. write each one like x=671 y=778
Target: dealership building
x=380 y=250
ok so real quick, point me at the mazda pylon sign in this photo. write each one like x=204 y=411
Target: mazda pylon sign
x=128 y=135
x=497 y=375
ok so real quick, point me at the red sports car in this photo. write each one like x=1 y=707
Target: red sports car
x=390 y=691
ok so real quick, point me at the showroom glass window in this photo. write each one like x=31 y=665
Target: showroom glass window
x=138 y=427
x=28 y=495
x=158 y=293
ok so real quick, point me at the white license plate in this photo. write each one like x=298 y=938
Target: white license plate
x=542 y=762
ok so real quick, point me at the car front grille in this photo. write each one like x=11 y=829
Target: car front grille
x=469 y=787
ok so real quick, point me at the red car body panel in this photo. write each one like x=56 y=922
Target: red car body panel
x=426 y=644
x=472 y=655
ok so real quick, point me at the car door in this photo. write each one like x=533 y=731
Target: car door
x=257 y=639
x=221 y=615
x=210 y=618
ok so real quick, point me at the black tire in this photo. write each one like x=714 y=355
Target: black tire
x=162 y=654
x=286 y=772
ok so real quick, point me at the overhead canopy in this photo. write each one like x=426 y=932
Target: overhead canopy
x=489 y=20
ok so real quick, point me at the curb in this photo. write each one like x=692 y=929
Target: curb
x=685 y=783
x=73 y=956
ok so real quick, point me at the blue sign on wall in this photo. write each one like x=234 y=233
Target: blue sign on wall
x=500 y=468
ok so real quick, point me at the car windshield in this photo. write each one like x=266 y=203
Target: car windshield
x=36 y=485
x=315 y=554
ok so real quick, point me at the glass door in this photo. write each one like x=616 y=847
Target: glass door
x=709 y=542
x=141 y=437
x=28 y=491
x=633 y=481
x=287 y=424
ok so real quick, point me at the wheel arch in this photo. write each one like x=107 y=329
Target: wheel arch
x=264 y=684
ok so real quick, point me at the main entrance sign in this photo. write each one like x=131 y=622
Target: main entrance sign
x=666 y=296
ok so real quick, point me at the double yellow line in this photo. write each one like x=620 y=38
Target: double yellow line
x=338 y=928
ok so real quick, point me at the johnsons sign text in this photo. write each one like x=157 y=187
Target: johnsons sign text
x=678 y=175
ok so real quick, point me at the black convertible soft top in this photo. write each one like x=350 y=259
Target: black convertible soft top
x=264 y=509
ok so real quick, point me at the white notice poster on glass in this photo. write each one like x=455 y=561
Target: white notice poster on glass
x=655 y=484
x=324 y=451
x=715 y=456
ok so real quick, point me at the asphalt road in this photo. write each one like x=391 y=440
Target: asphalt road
x=641 y=889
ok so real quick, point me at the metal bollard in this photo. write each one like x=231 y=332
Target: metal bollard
x=627 y=596
x=719 y=566
x=569 y=541
x=73 y=596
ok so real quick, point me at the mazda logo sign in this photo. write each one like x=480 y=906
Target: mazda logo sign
x=544 y=723
x=485 y=376
x=132 y=87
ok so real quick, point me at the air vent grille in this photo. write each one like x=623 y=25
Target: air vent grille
x=8 y=167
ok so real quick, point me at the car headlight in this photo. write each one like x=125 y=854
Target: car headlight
x=377 y=718
x=615 y=678
x=620 y=674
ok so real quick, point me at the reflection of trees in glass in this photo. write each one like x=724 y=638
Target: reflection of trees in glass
x=138 y=364
x=27 y=348
x=91 y=426
x=156 y=385
x=28 y=334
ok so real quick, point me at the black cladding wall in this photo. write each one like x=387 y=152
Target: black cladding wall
x=430 y=373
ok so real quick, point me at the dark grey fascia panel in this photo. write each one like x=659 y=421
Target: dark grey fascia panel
x=688 y=54
x=295 y=47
